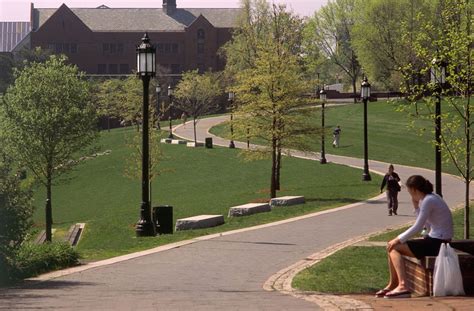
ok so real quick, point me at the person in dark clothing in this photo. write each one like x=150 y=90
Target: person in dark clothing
x=391 y=179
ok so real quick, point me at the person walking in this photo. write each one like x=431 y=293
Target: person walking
x=391 y=179
x=336 y=133
x=433 y=212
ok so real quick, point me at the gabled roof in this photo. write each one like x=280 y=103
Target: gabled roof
x=139 y=19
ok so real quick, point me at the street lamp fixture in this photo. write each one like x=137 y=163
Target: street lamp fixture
x=438 y=78
x=365 y=95
x=322 y=97
x=170 y=95
x=146 y=68
x=231 y=103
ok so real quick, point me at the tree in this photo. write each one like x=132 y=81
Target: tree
x=47 y=119
x=380 y=41
x=15 y=214
x=196 y=93
x=108 y=94
x=270 y=84
x=331 y=29
x=449 y=37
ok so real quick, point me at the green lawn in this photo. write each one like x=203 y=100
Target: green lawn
x=358 y=269
x=390 y=138
x=194 y=181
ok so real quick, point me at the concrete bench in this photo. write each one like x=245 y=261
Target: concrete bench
x=178 y=142
x=287 y=201
x=420 y=272
x=249 y=209
x=193 y=144
x=199 y=222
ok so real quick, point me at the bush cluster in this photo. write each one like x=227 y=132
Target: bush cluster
x=33 y=259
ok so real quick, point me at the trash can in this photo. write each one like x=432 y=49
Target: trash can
x=208 y=142
x=163 y=219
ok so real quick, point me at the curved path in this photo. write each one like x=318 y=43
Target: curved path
x=219 y=272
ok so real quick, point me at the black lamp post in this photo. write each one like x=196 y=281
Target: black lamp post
x=322 y=97
x=438 y=78
x=365 y=94
x=170 y=95
x=158 y=93
x=231 y=102
x=146 y=69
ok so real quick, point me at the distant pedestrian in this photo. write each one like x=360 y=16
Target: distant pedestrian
x=336 y=134
x=184 y=118
x=391 y=180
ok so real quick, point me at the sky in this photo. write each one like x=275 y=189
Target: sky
x=18 y=10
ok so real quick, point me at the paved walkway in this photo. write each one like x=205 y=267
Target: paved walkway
x=225 y=271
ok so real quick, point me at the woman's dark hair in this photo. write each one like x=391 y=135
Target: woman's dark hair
x=420 y=183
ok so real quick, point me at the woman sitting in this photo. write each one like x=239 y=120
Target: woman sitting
x=432 y=212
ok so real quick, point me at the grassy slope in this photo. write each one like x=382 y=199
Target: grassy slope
x=194 y=181
x=390 y=138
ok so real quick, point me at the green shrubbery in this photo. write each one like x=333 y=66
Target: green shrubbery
x=33 y=259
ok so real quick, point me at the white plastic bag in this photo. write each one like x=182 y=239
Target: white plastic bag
x=447 y=278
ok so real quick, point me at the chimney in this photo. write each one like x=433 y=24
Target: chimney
x=169 y=6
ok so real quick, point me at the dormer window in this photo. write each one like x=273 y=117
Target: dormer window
x=201 y=34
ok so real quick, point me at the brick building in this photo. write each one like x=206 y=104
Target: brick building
x=103 y=40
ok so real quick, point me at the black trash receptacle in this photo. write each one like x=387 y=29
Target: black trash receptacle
x=208 y=142
x=163 y=219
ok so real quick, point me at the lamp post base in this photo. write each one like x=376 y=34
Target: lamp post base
x=170 y=136
x=323 y=161
x=231 y=144
x=366 y=177
x=144 y=228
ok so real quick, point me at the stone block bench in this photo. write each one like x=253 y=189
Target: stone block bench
x=249 y=209
x=199 y=222
x=420 y=272
x=287 y=201
x=178 y=142
x=166 y=140
x=193 y=144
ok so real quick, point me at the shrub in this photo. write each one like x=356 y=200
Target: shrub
x=33 y=259
x=15 y=214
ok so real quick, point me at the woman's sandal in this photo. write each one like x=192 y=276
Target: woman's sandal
x=381 y=293
x=400 y=294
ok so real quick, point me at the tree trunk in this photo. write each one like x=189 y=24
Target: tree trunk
x=108 y=123
x=278 y=169
x=354 y=89
x=468 y=163
x=273 y=178
x=48 y=210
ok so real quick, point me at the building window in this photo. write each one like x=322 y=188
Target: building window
x=174 y=48
x=113 y=68
x=200 y=48
x=66 y=48
x=167 y=48
x=159 y=48
x=113 y=48
x=120 y=48
x=200 y=34
x=105 y=48
x=124 y=68
x=59 y=48
x=175 y=68
x=101 y=68
x=73 y=48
